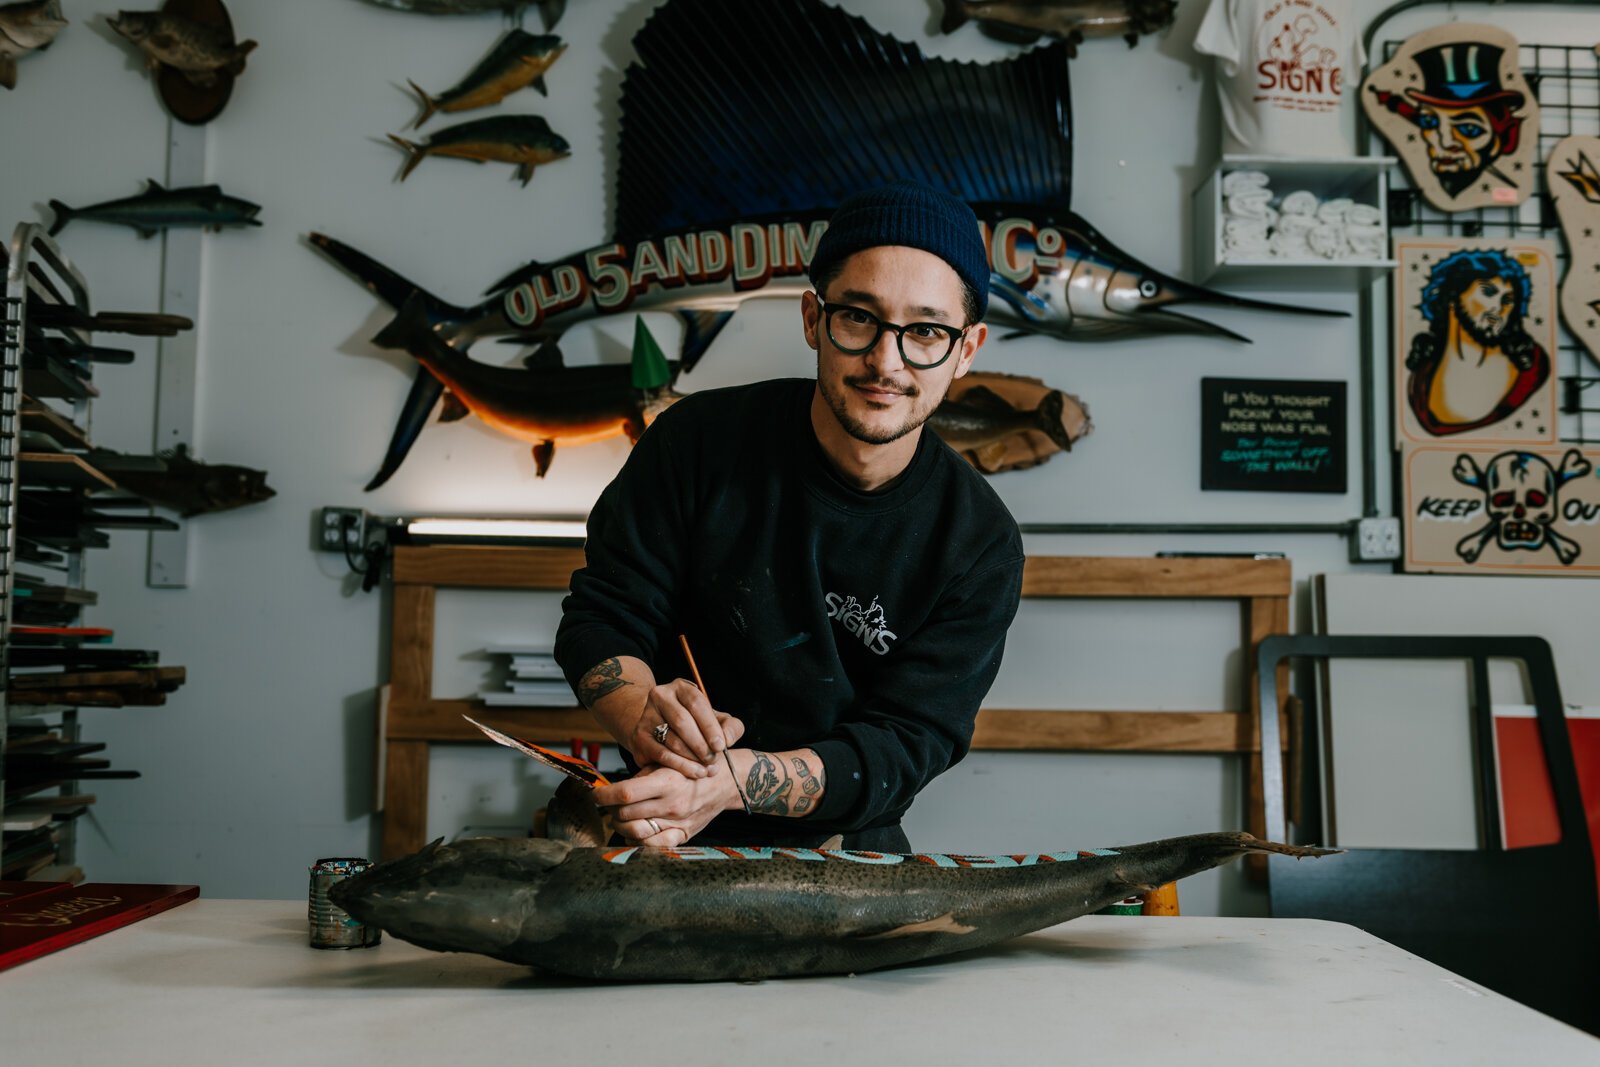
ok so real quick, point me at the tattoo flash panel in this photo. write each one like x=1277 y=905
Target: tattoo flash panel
x=1475 y=327
x=1481 y=509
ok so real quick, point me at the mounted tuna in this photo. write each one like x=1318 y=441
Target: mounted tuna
x=714 y=914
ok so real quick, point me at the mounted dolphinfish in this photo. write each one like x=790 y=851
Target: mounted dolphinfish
x=707 y=914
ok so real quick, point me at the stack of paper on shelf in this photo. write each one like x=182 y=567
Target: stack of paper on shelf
x=533 y=678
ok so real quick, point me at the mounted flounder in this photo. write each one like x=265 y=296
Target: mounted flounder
x=717 y=913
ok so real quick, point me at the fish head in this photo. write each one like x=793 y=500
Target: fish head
x=467 y=896
x=226 y=486
x=134 y=25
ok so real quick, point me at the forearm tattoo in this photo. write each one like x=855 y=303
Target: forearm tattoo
x=604 y=677
x=769 y=786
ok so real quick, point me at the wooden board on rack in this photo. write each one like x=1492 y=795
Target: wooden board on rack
x=415 y=719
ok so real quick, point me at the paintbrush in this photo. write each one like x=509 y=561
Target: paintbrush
x=683 y=639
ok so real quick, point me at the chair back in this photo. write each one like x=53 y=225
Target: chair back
x=1524 y=922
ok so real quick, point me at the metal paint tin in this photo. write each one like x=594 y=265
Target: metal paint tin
x=1126 y=906
x=331 y=925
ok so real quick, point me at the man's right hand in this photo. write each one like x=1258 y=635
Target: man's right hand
x=696 y=732
x=626 y=699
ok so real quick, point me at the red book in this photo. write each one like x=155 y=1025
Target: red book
x=62 y=915
x=14 y=891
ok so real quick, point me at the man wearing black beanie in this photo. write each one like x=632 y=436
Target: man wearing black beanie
x=844 y=578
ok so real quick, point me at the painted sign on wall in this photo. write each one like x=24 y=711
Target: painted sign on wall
x=1475 y=327
x=1262 y=435
x=1493 y=510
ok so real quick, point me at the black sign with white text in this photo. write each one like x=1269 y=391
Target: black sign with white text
x=1272 y=436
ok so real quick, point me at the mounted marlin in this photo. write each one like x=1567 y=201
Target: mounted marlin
x=725 y=184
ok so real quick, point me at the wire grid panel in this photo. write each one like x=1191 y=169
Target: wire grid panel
x=1566 y=80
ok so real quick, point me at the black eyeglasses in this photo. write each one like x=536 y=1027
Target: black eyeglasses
x=923 y=345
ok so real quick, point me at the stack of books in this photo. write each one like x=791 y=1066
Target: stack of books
x=533 y=679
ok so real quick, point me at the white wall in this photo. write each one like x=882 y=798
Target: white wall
x=262 y=762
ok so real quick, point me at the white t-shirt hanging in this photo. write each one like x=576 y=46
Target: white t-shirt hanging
x=1284 y=70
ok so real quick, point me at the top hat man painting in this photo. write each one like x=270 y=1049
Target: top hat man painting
x=1470 y=121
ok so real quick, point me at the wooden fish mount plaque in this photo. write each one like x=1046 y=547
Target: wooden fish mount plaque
x=1482 y=509
x=1572 y=172
x=1475 y=333
x=1454 y=103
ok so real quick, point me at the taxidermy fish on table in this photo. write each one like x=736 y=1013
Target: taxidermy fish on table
x=720 y=913
x=157 y=208
x=702 y=103
x=26 y=27
x=525 y=140
x=197 y=50
x=1025 y=21
x=518 y=61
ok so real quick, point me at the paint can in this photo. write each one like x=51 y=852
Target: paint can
x=1126 y=906
x=331 y=925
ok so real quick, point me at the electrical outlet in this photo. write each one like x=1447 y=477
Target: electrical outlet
x=341 y=530
x=1375 y=540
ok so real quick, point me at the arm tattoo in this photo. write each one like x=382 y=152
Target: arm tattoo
x=767 y=794
x=604 y=677
x=769 y=786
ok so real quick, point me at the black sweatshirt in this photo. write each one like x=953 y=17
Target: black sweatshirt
x=865 y=626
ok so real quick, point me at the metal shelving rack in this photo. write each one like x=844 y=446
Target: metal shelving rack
x=36 y=271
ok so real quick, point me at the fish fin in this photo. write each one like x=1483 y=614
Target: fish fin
x=8 y=70
x=538 y=83
x=700 y=329
x=1013 y=335
x=572 y=816
x=516 y=277
x=546 y=357
x=1010 y=34
x=543 y=453
x=944 y=924
x=551 y=11
x=1050 y=410
x=425 y=390
x=526 y=170
x=64 y=214
x=955 y=16
x=414 y=154
x=428 y=106
x=146 y=232
x=153 y=186
x=991 y=457
x=452 y=408
x=832 y=844
x=981 y=396
x=1131 y=38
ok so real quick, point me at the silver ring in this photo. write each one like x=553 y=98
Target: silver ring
x=655 y=826
x=660 y=733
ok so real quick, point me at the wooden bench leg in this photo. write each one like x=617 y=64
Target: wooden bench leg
x=405 y=798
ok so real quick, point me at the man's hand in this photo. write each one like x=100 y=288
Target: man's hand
x=663 y=808
x=623 y=694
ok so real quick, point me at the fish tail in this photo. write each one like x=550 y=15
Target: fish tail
x=414 y=154
x=1050 y=411
x=428 y=106
x=955 y=16
x=64 y=215
x=236 y=64
x=405 y=329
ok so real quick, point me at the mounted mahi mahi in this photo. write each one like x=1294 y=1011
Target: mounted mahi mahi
x=518 y=61
x=524 y=140
x=710 y=914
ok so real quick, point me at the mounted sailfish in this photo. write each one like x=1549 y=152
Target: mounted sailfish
x=729 y=167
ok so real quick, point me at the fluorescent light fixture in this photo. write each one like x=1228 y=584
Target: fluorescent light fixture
x=498 y=531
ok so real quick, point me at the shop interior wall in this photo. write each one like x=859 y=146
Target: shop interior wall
x=263 y=762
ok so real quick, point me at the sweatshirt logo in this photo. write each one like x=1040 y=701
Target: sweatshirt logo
x=867 y=623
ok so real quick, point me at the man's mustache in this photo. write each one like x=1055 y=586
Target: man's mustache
x=886 y=384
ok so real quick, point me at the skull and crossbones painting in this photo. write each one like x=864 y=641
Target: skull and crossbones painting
x=1520 y=491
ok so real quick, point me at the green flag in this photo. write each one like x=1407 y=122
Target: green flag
x=650 y=370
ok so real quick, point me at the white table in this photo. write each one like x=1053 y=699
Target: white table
x=232 y=982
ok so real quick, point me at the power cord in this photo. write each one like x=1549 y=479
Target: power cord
x=370 y=565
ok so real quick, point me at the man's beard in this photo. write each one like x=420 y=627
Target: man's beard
x=1490 y=335
x=852 y=426
x=1455 y=182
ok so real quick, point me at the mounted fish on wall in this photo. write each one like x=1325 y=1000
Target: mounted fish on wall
x=1486 y=510
x=518 y=61
x=1458 y=111
x=1475 y=326
x=550 y=10
x=1025 y=21
x=26 y=27
x=157 y=208
x=190 y=46
x=1005 y=422
x=525 y=141
x=688 y=240
x=1574 y=180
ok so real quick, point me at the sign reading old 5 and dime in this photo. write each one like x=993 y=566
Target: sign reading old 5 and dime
x=1502 y=510
x=1475 y=329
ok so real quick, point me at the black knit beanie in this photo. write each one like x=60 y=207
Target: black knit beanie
x=906 y=213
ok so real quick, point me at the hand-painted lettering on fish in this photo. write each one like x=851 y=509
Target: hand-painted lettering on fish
x=932 y=859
